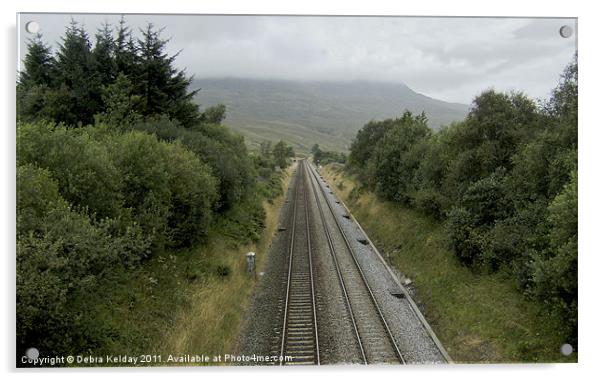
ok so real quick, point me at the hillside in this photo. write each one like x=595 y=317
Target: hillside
x=304 y=113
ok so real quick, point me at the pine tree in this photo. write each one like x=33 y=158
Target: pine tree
x=38 y=64
x=72 y=88
x=164 y=89
x=126 y=58
x=34 y=79
x=121 y=105
x=103 y=55
x=75 y=71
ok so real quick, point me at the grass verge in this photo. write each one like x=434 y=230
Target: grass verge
x=479 y=318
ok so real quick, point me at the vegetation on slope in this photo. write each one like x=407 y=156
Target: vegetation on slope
x=503 y=182
x=479 y=317
x=123 y=188
x=304 y=112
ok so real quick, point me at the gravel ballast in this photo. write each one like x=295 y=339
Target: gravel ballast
x=416 y=343
x=337 y=336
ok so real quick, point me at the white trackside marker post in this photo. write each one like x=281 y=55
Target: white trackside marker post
x=251 y=263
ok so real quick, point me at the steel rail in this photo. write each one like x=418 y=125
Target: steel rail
x=290 y=269
x=289 y=294
x=311 y=275
x=360 y=271
x=340 y=275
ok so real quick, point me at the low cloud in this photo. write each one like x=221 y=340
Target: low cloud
x=447 y=58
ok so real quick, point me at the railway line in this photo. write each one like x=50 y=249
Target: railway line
x=374 y=336
x=300 y=325
x=299 y=339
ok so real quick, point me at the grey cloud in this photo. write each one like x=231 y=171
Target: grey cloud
x=542 y=29
x=448 y=58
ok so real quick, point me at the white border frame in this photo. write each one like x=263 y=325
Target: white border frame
x=589 y=179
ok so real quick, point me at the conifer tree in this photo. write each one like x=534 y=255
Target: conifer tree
x=38 y=64
x=73 y=86
x=35 y=79
x=120 y=104
x=103 y=55
x=126 y=59
x=164 y=89
x=75 y=71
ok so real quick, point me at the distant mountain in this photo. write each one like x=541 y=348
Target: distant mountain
x=304 y=113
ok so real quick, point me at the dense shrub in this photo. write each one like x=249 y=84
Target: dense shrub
x=555 y=269
x=429 y=201
x=141 y=160
x=193 y=195
x=325 y=157
x=243 y=222
x=366 y=139
x=148 y=193
x=60 y=252
x=85 y=173
x=397 y=157
x=130 y=181
x=503 y=179
x=268 y=180
x=170 y=192
x=224 y=151
x=462 y=231
x=486 y=200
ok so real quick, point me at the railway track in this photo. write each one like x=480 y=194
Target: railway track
x=375 y=340
x=298 y=340
x=299 y=343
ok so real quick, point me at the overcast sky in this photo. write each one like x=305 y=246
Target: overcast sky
x=452 y=59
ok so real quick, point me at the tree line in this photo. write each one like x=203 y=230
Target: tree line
x=325 y=157
x=121 y=76
x=504 y=181
x=116 y=163
x=278 y=154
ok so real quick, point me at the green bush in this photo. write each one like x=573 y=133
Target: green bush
x=429 y=201
x=142 y=163
x=215 y=145
x=60 y=253
x=133 y=183
x=397 y=157
x=486 y=199
x=555 y=270
x=167 y=196
x=504 y=179
x=83 y=168
x=170 y=191
x=463 y=234
x=193 y=194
